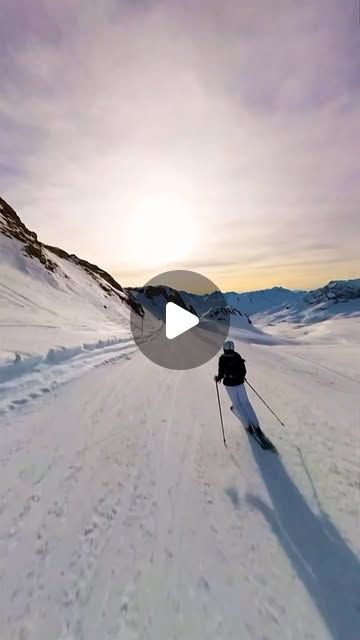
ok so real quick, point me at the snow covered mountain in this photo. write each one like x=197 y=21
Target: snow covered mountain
x=334 y=292
x=280 y=303
x=222 y=313
x=207 y=307
x=50 y=299
x=155 y=298
x=323 y=313
x=254 y=302
x=268 y=311
x=337 y=300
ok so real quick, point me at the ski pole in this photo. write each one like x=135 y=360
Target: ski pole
x=221 y=418
x=266 y=405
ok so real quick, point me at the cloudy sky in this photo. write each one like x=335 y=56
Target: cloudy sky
x=217 y=135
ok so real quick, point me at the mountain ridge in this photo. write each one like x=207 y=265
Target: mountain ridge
x=12 y=227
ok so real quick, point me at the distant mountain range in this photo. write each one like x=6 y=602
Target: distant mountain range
x=268 y=305
x=338 y=297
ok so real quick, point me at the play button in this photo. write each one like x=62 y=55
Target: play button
x=178 y=320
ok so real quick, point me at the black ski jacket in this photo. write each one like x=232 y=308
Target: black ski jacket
x=232 y=369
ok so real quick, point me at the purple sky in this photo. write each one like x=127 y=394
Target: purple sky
x=237 y=122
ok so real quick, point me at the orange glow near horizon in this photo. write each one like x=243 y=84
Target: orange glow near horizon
x=239 y=279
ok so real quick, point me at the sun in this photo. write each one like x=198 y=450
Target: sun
x=160 y=232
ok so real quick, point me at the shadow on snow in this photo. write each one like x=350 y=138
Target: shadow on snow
x=323 y=561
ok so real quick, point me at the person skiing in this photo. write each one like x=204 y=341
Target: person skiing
x=232 y=371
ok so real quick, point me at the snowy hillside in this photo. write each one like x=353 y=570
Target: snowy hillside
x=49 y=299
x=59 y=315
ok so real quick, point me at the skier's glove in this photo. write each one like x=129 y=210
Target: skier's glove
x=216 y=378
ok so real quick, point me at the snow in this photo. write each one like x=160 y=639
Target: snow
x=336 y=290
x=255 y=302
x=25 y=380
x=325 y=307
x=40 y=310
x=122 y=515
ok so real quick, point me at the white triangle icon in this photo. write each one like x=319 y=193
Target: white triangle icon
x=178 y=320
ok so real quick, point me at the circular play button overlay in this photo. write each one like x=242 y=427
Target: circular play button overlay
x=183 y=322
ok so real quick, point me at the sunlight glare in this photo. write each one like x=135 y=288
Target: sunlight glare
x=161 y=231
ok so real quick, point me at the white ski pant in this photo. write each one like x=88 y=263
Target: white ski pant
x=241 y=406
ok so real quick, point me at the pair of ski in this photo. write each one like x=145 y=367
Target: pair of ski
x=260 y=437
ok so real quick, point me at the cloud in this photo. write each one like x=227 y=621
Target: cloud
x=249 y=113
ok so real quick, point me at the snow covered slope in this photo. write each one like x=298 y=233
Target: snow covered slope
x=123 y=516
x=51 y=300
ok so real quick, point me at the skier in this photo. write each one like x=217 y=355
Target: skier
x=232 y=371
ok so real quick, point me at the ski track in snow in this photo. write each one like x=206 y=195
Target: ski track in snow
x=122 y=516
